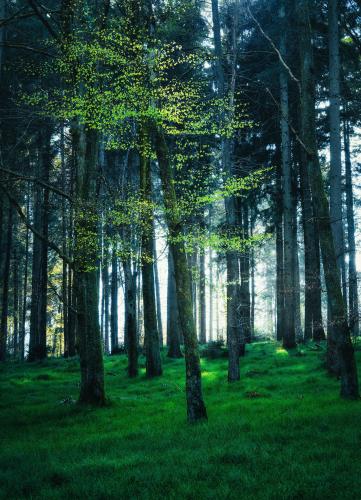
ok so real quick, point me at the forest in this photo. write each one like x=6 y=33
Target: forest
x=179 y=249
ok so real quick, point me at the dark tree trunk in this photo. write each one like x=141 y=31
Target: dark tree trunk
x=130 y=325
x=38 y=315
x=280 y=299
x=202 y=297
x=196 y=409
x=352 y=272
x=25 y=286
x=173 y=323
x=151 y=335
x=340 y=338
x=86 y=262
x=105 y=305
x=5 y=286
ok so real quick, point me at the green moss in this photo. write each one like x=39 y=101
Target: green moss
x=296 y=440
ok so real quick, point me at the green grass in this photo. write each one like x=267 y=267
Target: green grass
x=280 y=433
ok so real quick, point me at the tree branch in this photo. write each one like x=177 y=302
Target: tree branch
x=36 y=233
x=37 y=181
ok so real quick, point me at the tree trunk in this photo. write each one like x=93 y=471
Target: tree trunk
x=340 y=331
x=5 y=286
x=280 y=299
x=335 y=140
x=130 y=325
x=173 y=322
x=289 y=334
x=196 y=409
x=86 y=264
x=114 y=304
x=157 y=294
x=202 y=297
x=352 y=271
x=38 y=315
x=151 y=335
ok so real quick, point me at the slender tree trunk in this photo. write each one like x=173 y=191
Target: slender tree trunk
x=233 y=320
x=202 y=297
x=16 y=302
x=114 y=303
x=25 y=285
x=335 y=139
x=105 y=280
x=289 y=334
x=5 y=286
x=151 y=335
x=157 y=294
x=210 y=270
x=352 y=271
x=173 y=323
x=130 y=326
x=340 y=332
x=280 y=299
x=196 y=409
x=38 y=316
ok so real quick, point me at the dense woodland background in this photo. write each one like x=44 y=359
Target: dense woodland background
x=176 y=173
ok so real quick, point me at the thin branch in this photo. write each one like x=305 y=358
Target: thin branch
x=303 y=145
x=36 y=233
x=43 y=19
x=37 y=181
x=25 y=47
x=280 y=57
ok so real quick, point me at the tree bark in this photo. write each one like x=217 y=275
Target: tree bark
x=196 y=409
x=340 y=331
x=86 y=274
x=5 y=286
x=289 y=334
x=335 y=140
x=151 y=334
x=173 y=322
x=352 y=271
x=38 y=315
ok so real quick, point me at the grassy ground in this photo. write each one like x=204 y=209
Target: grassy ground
x=280 y=433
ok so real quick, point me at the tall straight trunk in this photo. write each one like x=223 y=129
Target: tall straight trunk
x=335 y=139
x=130 y=324
x=210 y=271
x=289 y=334
x=25 y=285
x=313 y=327
x=341 y=338
x=64 y=285
x=280 y=299
x=16 y=300
x=157 y=294
x=196 y=409
x=234 y=333
x=151 y=334
x=86 y=274
x=245 y=277
x=105 y=281
x=5 y=286
x=114 y=303
x=202 y=297
x=352 y=271
x=38 y=315
x=253 y=282
x=173 y=323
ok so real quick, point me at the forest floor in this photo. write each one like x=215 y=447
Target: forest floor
x=280 y=433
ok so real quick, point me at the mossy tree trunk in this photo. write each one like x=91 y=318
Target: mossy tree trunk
x=86 y=264
x=196 y=409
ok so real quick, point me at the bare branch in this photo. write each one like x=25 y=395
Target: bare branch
x=36 y=233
